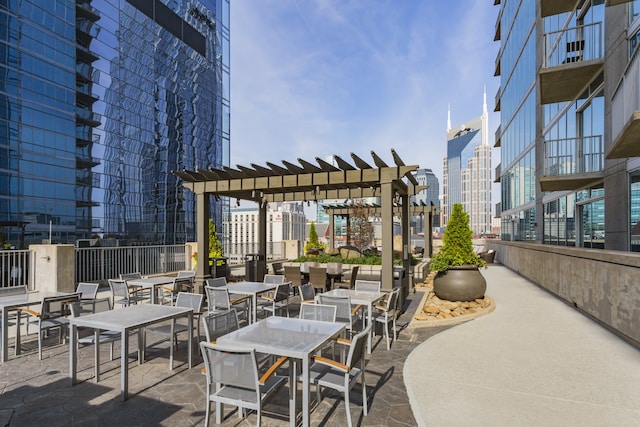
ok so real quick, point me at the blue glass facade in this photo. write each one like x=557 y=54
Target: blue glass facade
x=99 y=101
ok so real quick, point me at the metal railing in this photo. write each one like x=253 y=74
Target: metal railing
x=575 y=44
x=571 y=156
x=100 y=264
x=14 y=268
x=626 y=98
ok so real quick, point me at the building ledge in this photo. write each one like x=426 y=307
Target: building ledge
x=566 y=81
x=569 y=182
x=627 y=144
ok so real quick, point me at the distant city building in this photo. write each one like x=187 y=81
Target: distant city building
x=99 y=102
x=467 y=172
x=285 y=222
x=428 y=197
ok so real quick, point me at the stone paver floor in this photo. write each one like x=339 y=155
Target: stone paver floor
x=34 y=392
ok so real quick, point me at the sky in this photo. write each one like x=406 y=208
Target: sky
x=314 y=78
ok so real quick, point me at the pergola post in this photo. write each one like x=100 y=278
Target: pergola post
x=332 y=231
x=406 y=239
x=202 y=233
x=386 y=208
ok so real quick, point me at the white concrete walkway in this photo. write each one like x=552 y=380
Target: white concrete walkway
x=534 y=361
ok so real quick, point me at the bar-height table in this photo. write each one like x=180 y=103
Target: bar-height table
x=253 y=289
x=124 y=320
x=152 y=284
x=297 y=339
x=363 y=298
x=12 y=302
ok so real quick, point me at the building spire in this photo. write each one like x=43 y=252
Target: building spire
x=449 y=118
x=485 y=119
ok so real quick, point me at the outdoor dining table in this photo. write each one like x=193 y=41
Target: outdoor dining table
x=124 y=320
x=253 y=289
x=151 y=283
x=363 y=298
x=12 y=302
x=297 y=339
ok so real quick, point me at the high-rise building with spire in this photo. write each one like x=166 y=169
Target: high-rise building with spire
x=467 y=171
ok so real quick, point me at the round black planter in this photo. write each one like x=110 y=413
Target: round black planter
x=460 y=283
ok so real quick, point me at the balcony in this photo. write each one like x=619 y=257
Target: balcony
x=572 y=163
x=498 y=98
x=498 y=173
x=625 y=113
x=498 y=137
x=616 y=2
x=556 y=7
x=573 y=58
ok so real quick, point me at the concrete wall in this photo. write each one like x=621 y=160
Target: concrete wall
x=603 y=284
x=55 y=268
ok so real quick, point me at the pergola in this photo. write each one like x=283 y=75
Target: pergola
x=305 y=182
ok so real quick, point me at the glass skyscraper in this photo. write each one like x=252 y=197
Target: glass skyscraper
x=99 y=101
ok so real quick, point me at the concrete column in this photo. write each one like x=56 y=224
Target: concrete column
x=202 y=235
x=54 y=268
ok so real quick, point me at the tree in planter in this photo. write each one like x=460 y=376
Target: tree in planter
x=313 y=245
x=457 y=264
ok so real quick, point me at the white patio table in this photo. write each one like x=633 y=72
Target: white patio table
x=253 y=289
x=14 y=301
x=124 y=320
x=360 y=297
x=152 y=284
x=291 y=337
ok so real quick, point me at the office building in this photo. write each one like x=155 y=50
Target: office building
x=467 y=172
x=569 y=170
x=99 y=102
x=430 y=196
x=285 y=222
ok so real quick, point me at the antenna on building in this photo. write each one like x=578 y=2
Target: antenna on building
x=485 y=119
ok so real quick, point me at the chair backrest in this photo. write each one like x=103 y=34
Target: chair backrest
x=131 y=276
x=282 y=292
x=13 y=290
x=232 y=367
x=277 y=267
x=325 y=313
x=307 y=292
x=217 y=282
x=357 y=349
x=354 y=276
x=343 y=307
x=217 y=298
x=58 y=306
x=119 y=289
x=186 y=273
x=318 y=277
x=219 y=323
x=367 y=285
x=292 y=274
x=392 y=300
x=87 y=290
x=78 y=308
x=190 y=300
x=273 y=278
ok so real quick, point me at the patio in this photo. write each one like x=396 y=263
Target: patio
x=34 y=392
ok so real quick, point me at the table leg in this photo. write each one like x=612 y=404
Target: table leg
x=254 y=309
x=293 y=390
x=190 y=323
x=305 y=392
x=5 y=335
x=369 y=320
x=73 y=338
x=96 y=349
x=173 y=326
x=16 y=350
x=124 y=365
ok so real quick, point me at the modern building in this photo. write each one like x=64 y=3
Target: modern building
x=430 y=196
x=467 y=172
x=99 y=102
x=285 y=223
x=569 y=105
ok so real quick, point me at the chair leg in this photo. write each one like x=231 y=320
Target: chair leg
x=346 y=406
x=208 y=412
x=386 y=333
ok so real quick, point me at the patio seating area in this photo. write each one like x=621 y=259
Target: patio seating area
x=535 y=355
